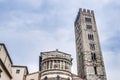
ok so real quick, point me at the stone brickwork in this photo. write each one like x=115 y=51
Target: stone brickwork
x=90 y=64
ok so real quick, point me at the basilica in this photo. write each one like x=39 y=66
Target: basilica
x=56 y=65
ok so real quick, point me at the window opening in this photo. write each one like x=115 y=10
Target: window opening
x=88 y=19
x=95 y=69
x=17 y=71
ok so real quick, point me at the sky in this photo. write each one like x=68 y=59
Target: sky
x=28 y=27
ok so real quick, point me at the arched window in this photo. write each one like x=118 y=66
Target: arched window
x=58 y=77
x=45 y=78
x=90 y=37
x=95 y=69
x=93 y=56
x=68 y=78
x=87 y=19
x=92 y=46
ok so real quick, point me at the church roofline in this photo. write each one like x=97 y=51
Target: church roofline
x=6 y=70
x=6 y=52
x=34 y=73
x=56 y=51
x=21 y=67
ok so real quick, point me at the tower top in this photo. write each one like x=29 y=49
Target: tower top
x=86 y=12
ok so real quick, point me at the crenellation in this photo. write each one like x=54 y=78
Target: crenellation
x=92 y=12
x=84 y=10
x=88 y=11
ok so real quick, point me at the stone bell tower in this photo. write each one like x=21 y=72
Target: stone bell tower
x=90 y=65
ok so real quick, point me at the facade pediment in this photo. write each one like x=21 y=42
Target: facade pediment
x=55 y=54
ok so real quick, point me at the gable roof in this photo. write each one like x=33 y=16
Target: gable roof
x=21 y=67
x=56 y=51
x=2 y=44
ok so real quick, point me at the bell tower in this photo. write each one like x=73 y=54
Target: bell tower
x=90 y=65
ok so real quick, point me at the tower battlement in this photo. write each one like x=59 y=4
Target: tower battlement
x=86 y=11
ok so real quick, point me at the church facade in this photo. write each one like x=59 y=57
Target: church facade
x=56 y=65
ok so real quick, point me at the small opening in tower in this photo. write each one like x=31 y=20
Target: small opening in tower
x=88 y=19
x=89 y=27
x=92 y=46
x=93 y=56
x=90 y=37
x=95 y=69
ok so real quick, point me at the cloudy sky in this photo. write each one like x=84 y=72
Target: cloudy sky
x=28 y=27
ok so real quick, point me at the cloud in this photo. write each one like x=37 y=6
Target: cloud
x=30 y=3
x=112 y=62
x=33 y=67
x=29 y=27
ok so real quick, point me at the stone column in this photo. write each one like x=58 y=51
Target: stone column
x=53 y=64
x=45 y=66
x=49 y=64
x=60 y=64
x=63 y=65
